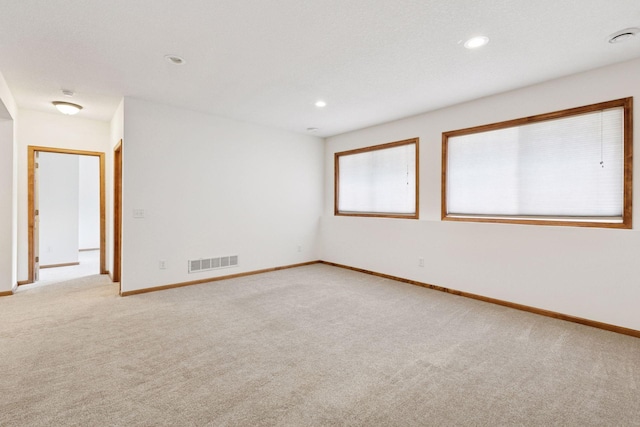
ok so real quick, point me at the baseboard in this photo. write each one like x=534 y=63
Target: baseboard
x=213 y=279
x=66 y=264
x=535 y=310
x=542 y=312
x=108 y=273
x=6 y=293
x=24 y=282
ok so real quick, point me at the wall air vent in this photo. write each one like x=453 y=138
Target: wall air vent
x=206 y=264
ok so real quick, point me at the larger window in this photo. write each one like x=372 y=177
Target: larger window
x=571 y=167
x=380 y=181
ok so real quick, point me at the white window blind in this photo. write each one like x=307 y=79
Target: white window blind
x=378 y=181
x=567 y=167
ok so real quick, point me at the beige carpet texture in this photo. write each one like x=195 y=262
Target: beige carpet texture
x=309 y=346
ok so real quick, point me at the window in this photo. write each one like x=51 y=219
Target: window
x=378 y=181
x=571 y=167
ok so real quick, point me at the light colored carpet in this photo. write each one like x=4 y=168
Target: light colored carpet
x=310 y=346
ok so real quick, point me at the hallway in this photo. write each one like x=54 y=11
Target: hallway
x=89 y=266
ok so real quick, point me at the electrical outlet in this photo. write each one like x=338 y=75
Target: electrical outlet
x=138 y=213
x=421 y=262
x=162 y=264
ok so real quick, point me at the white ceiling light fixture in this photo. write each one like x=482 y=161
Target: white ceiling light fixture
x=321 y=104
x=476 y=42
x=67 y=108
x=623 y=35
x=175 y=59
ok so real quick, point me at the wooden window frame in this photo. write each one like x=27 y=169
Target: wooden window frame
x=336 y=180
x=625 y=103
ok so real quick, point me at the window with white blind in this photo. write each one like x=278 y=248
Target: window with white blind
x=571 y=167
x=380 y=181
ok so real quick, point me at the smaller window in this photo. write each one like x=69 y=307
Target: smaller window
x=378 y=181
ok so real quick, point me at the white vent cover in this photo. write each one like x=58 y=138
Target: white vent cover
x=206 y=264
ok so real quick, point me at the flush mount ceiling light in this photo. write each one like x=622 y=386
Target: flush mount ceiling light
x=476 y=42
x=623 y=35
x=321 y=104
x=67 y=107
x=175 y=59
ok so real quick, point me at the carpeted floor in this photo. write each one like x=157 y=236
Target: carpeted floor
x=310 y=346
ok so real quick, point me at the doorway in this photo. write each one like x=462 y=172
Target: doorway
x=35 y=249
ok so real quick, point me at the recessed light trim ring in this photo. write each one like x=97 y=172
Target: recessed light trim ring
x=476 y=42
x=175 y=59
x=623 y=35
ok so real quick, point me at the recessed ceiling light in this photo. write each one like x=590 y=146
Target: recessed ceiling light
x=175 y=59
x=623 y=35
x=312 y=129
x=67 y=107
x=476 y=42
x=321 y=104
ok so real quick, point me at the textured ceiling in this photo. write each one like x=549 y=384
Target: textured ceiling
x=268 y=61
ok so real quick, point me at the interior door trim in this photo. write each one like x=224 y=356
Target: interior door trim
x=117 y=214
x=31 y=150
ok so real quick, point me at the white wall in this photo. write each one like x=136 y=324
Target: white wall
x=7 y=271
x=584 y=272
x=88 y=202
x=8 y=200
x=51 y=130
x=211 y=186
x=116 y=125
x=59 y=208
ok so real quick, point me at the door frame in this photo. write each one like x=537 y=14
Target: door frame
x=117 y=214
x=31 y=152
